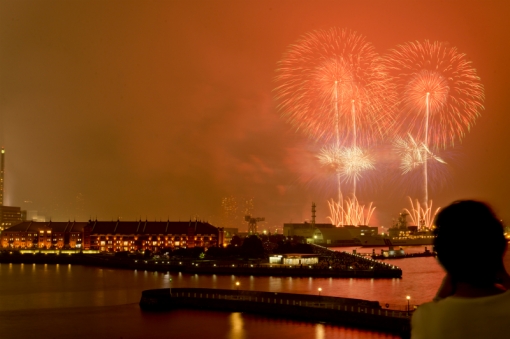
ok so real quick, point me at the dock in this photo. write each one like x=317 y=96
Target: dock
x=350 y=312
x=338 y=265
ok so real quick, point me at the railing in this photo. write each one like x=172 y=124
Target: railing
x=296 y=300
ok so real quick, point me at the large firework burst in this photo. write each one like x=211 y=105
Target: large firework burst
x=441 y=95
x=333 y=86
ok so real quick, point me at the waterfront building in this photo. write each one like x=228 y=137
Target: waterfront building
x=45 y=235
x=294 y=259
x=112 y=236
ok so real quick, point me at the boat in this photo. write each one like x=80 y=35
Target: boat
x=391 y=253
x=400 y=235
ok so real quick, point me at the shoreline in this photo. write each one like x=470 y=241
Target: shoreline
x=224 y=267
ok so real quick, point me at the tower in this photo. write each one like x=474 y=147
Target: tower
x=2 y=161
x=313 y=214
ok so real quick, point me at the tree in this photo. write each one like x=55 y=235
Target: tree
x=236 y=241
x=252 y=247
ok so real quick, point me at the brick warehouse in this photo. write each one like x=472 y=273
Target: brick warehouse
x=112 y=236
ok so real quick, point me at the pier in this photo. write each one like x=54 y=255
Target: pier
x=332 y=264
x=343 y=311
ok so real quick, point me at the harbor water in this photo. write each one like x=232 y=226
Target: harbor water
x=59 y=301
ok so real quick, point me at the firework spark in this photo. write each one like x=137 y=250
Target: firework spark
x=413 y=154
x=349 y=212
x=349 y=162
x=422 y=215
x=332 y=86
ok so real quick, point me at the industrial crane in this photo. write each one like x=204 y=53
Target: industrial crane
x=252 y=223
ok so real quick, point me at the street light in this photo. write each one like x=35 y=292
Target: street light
x=319 y=289
x=408 y=298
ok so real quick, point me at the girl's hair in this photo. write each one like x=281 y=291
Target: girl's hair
x=470 y=242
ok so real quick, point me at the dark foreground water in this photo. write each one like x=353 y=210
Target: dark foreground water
x=71 y=301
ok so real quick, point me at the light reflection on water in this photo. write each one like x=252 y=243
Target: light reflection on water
x=30 y=295
x=319 y=331
x=236 y=326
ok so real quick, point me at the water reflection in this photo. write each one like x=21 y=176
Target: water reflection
x=320 y=331
x=101 y=287
x=236 y=326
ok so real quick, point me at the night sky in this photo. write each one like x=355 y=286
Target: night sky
x=160 y=109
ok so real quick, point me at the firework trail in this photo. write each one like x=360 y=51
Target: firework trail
x=422 y=216
x=441 y=94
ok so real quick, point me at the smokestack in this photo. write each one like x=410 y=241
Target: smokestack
x=2 y=160
x=313 y=214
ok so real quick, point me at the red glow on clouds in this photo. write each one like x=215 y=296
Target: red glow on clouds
x=163 y=109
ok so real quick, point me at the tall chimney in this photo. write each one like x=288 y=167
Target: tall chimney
x=2 y=160
x=313 y=214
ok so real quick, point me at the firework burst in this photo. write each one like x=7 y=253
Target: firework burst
x=333 y=86
x=441 y=95
x=348 y=162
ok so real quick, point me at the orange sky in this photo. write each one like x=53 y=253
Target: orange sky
x=160 y=109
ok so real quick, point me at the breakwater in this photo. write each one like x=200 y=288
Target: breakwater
x=294 y=271
x=238 y=267
x=344 y=311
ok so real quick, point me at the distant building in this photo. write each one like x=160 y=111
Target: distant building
x=112 y=236
x=342 y=236
x=327 y=234
x=2 y=163
x=9 y=216
x=305 y=229
x=229 y=232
